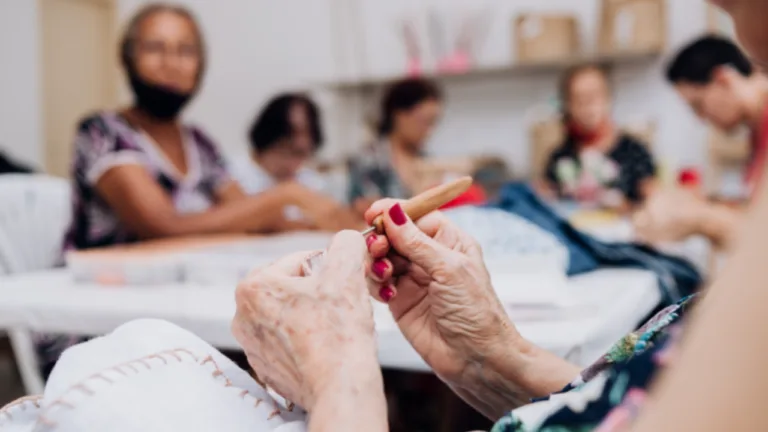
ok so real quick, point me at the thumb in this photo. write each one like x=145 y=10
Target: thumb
x=345 y=256
x=411 y=242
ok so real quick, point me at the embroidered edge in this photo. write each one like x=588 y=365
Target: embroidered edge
x=115 y=373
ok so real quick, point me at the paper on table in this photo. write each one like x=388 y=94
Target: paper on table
x=228 y=264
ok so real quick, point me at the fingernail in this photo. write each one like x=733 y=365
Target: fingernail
x=369 y=240
x=397 y=214
x=386 y=293
x=379 y=267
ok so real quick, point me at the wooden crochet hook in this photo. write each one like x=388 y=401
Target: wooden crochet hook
x=426 y=202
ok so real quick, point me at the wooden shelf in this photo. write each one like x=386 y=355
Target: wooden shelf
x=501 y=71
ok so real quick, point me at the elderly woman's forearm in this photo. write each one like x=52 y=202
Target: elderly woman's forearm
x=353 y=401
x=511 y=378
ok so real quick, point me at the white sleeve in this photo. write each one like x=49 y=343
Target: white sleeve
x=96 y=152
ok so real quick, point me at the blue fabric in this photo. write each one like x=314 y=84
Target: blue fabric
x=677 y=277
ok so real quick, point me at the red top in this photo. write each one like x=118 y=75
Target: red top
x=475 y=195
x=588 y=137
x=689 y=177
x=756 y=165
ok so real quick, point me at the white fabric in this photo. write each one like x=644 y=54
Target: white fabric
x=112 y=160
x=510 y=239
x=533 y=415
x=35 y=211
x=605 y=305
x=151 y=376
x=519 y=256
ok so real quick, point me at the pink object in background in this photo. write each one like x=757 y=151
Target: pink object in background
x=414 y=68
x=455 y=64
x=690 y=178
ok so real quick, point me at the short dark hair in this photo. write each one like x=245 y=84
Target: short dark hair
x=273 y=122
x=404 y=95
x=697 y=61
x=131 y=33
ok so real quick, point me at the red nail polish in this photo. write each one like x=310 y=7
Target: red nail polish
x=379 y=267
x=369 y=240
x=397 y=214
x=386 y=293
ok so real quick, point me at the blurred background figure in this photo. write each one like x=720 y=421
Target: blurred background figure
x=142 y=173
x=723 y=88
x=597 y=164
x=284 y=139
x=410 y=110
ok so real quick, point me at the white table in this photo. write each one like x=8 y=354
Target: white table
x=607 y=305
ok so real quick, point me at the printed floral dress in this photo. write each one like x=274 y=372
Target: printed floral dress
x=608 y=396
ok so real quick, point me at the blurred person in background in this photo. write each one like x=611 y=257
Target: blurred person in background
x=391 y=167
x=284 y=139
x=141 y=173
x=724 y=89
x=597 y=163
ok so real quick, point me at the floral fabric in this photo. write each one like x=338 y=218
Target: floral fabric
x=608 y=396
x=591 y=176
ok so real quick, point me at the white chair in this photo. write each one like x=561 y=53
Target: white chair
x=35 y=211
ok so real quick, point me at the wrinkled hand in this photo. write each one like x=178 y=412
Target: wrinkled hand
x=298 y=330
x=669 y=215
x=438 y=291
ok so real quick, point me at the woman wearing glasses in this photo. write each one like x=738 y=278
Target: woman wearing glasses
x=142 y=173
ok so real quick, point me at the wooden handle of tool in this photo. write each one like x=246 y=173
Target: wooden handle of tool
x=429 y=200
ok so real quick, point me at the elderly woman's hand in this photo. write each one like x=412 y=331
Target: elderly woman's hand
x=441 y=294
x=311 y=336
x=439 y=291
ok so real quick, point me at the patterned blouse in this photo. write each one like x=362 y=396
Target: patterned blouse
x=608 y=396
x=625 y=168
x=106 y=140
x=371 y=174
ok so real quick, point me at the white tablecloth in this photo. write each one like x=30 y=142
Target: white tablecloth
x=606 y=305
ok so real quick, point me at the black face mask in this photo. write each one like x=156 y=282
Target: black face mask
x=158 y=101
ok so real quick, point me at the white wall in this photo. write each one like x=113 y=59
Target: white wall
x=20 y=112
x=489 y=116
x=259 y=47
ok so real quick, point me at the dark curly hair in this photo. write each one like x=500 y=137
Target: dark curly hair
x=273 y=122
x=404 y=95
